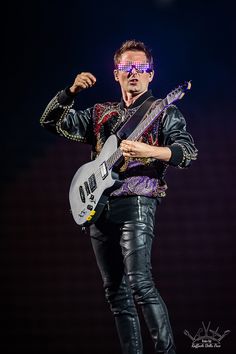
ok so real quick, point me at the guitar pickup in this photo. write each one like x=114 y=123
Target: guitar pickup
x=82 y=195
x=92 y=182
x=103 y=170
x=86 y=186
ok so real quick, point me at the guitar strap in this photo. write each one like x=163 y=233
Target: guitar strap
x=135 y=119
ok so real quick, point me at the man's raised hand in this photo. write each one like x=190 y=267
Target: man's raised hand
x=83 y=81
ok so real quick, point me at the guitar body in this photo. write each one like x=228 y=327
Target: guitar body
x=86 y=194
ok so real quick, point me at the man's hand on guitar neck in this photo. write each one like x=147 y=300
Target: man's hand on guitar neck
x=83 y=81
x=139 y=149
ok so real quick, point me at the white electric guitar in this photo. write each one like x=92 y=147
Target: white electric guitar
x=92 y=182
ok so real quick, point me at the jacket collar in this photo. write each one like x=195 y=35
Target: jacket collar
x=138 y=102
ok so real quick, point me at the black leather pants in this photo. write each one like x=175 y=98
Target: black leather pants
x=122 y=240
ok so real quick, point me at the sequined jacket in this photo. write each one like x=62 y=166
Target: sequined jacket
x=140 y=176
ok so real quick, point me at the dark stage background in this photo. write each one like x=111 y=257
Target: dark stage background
x=51 y=292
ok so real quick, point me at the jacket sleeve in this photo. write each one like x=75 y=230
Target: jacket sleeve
x=177 y=138
x=59 y=117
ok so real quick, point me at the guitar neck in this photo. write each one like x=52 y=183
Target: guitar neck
x=146 y=122
x=138 y=131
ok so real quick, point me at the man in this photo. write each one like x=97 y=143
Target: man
x=123 y=234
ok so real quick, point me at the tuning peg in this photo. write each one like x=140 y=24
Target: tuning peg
x=189 y=84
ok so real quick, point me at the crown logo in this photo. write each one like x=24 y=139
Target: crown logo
x=206 y=337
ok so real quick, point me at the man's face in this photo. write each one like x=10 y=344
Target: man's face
x=133 y=82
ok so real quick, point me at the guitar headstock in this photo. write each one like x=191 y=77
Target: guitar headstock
x=179 y=92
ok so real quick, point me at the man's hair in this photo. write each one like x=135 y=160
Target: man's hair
x=133 y=45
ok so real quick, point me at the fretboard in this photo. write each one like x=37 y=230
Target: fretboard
x=139 y=130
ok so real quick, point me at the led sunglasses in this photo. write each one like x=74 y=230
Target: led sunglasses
x=140 y=67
